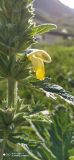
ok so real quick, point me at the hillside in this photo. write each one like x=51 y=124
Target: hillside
x=55 y=12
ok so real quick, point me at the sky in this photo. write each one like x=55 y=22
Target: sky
x=69 y=3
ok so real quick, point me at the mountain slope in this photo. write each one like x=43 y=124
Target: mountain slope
x=55 y=12
x=53 y=7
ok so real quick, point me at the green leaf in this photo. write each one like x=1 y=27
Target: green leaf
x=61 y=132
x=3 y=65
x=55 y=89
x=11 y=144
x=71 y=158
x=43 y=28
x=25 y=147
x=71 y=152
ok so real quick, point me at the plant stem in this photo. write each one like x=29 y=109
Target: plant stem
x=12 y=92
x=12 y=83
x=62 y=148
x=3 y=145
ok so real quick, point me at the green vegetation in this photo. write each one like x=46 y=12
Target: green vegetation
x=33 y=126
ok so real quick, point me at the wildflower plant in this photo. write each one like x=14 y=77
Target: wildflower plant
x=18 y=134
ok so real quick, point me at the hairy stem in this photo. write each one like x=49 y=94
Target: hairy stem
x=3 y=145
x=12 y=83
x=12 y=92
x=62 y=145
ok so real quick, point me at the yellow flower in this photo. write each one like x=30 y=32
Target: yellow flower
x=38 y=57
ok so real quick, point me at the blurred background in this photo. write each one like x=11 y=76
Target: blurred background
x=54 y=11
x=58 y=43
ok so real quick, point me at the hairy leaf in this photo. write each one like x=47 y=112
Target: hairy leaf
x=56 y=89
x=43 y=28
